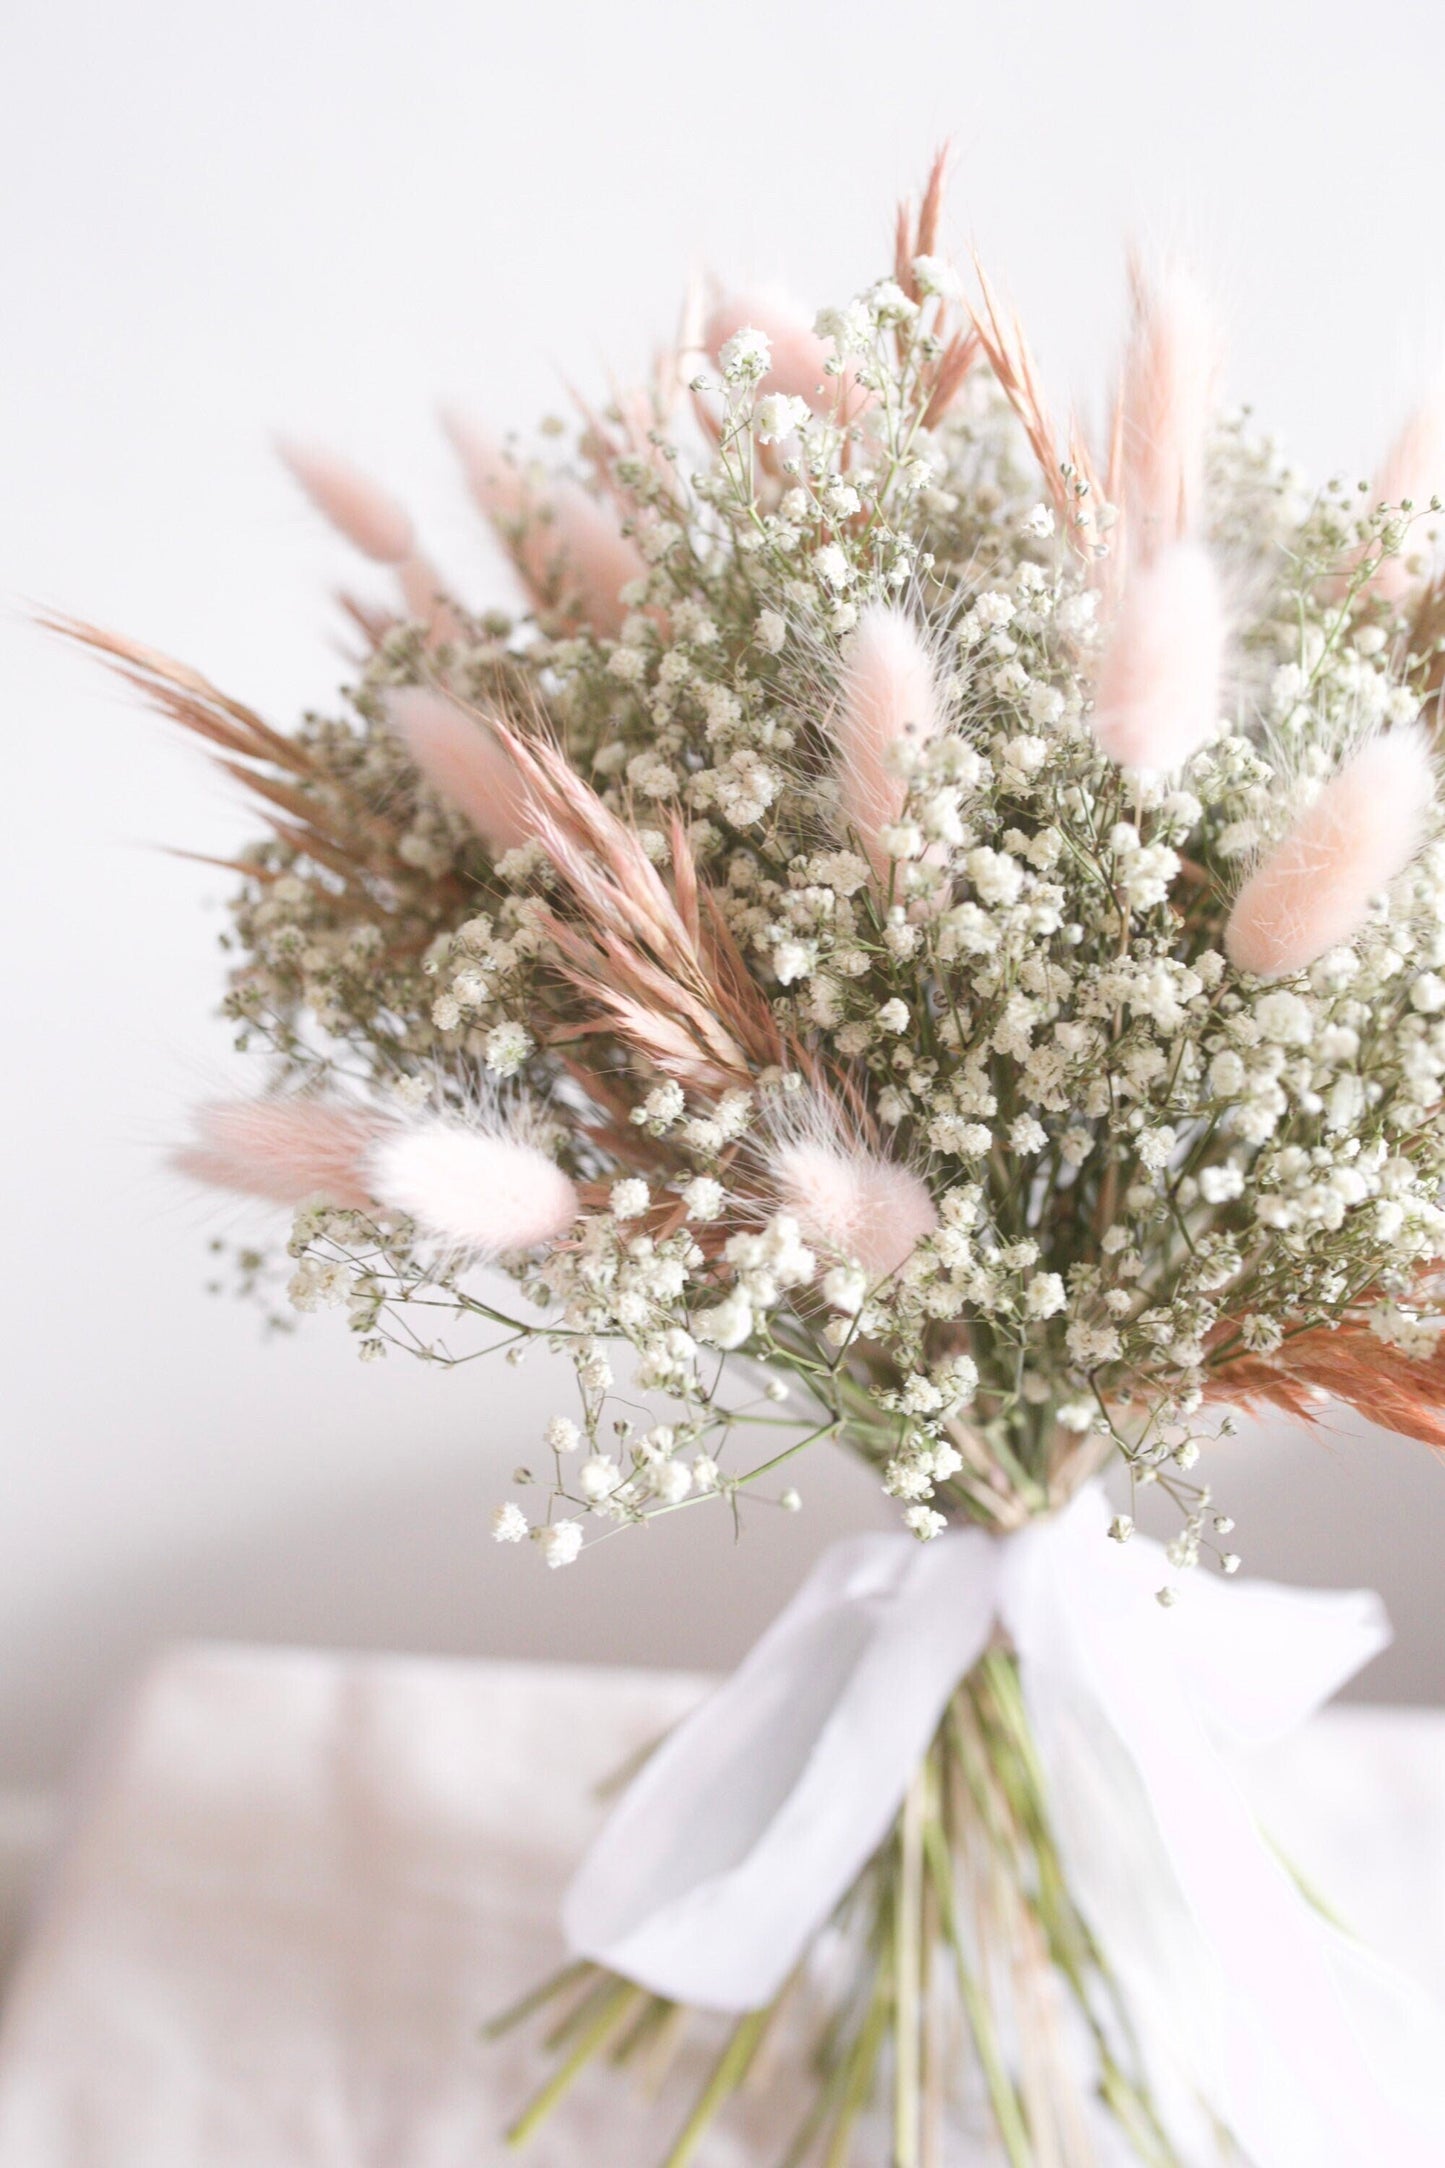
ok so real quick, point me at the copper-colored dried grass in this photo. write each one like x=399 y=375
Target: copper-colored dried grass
x=1346 y=1362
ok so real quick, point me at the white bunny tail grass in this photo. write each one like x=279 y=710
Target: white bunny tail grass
x=476 y=1189
x=1314 y=890
x=466 y=762
x=1158 y=693
x=285 y=1150
x=890 y=701
x=371 y=521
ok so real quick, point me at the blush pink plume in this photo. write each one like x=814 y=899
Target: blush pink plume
x=464 y=760
x=854 y=1204
x=424 y=593
x=889 y=699
x=371 y=521
x=1170 y=386
x=1158 y=692
x=1413 y=471
x=286 y=1150
x=567 y=546
x=799 y=356
x=482 y=1191
x=1313 y=891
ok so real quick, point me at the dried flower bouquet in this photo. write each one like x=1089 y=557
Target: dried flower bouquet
x=920 y=932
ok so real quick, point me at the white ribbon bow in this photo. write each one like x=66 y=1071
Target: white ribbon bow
x=732 y=1847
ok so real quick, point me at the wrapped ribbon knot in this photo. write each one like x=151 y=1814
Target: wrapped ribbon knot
x=732 y=1848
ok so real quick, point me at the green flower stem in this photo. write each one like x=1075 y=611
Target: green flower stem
x=1003 y=2097
x=907 y=1973
x=610 y=2013
x=728 y=2073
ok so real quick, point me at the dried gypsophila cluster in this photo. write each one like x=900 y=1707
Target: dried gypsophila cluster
x=955 y=928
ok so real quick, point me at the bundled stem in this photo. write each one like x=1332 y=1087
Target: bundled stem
x=968 y=1961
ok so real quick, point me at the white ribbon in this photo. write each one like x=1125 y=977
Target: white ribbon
x=733 y=1846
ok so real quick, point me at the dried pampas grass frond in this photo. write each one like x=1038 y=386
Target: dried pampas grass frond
x=1072 y=483
x=1347 y=1362
x=661 y=971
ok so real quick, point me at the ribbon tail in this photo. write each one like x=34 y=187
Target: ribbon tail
x=1232 y=1971
x=744 y=1830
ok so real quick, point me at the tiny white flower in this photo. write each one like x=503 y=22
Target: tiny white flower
x=597 y=1478
x=778 y=415
x=1044 y=1296
x=746 y=357
x=509 y=1524
x=561 y=1542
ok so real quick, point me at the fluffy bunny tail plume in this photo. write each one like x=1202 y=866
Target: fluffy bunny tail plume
x=855 y=1204
x=1170 y=386
x=889 y=701
x=1158 y=694
x=371 y=521
x=286 y=1150
x=1313 y=892
x=799 y=357
x=567 y=547
x=1413 y=472
x=462 y=758
x=476 y=1189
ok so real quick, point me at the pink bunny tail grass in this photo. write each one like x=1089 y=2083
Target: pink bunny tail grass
x=286 y=1150
x=371 y=521
x=1313 y=892
x=1170 y=387
x=465 y=761
x=1158 y=693
x=1413 y=471
x=854 y=1204
x=424 y=593
x=800 y=357
x=472 y=1188
x=889 y=697
x=567 y=547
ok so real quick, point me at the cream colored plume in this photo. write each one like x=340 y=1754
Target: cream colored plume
x=478 y=1189
x=1314 y=890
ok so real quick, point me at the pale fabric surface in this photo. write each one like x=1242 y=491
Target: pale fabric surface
x=298 y=1882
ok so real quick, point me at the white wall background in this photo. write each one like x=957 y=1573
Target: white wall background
x=218 y=219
